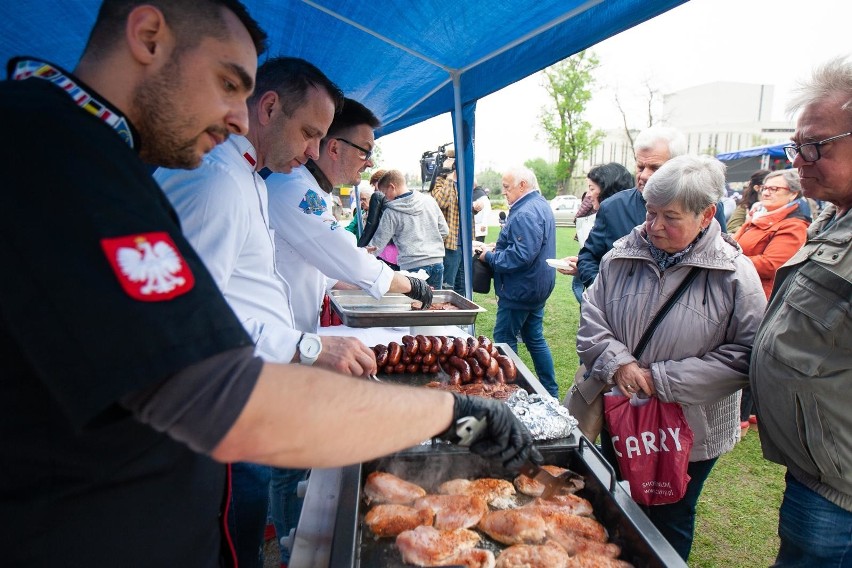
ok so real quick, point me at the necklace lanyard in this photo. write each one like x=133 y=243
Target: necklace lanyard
x=32 y=69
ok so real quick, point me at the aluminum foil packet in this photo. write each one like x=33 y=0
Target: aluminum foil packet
x=543 y=415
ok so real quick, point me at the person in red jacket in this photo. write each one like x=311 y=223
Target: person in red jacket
x=776 y=226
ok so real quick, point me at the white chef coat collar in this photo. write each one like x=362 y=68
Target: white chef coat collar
x=246 y=150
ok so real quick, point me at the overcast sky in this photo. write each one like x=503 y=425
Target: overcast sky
x=774 y=42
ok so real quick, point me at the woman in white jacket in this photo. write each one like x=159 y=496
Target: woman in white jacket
x=699 y=354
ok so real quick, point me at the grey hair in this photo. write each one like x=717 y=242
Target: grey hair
x=832 y=79
x=522 y=173
x=652 y=135
x=693 y=182
x=791 y=176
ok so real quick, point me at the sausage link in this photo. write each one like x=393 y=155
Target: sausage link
x=448 y=346
x=423 y=344
x=460 y=347
x=399 y=369
x=417 y=359
x=442 y=358
x=410 y=344
x=394 y=353
x=493 y=367
x=472 y=345
x=435 y=343
x=463 y=368
x=508 y=368
x=412 y=368
x=500 y=377
x=475 y=368
x=405 y=359
x=485 y=342
x=434 y=368
x=429 y=359
x=483 y=357
x=381 y=352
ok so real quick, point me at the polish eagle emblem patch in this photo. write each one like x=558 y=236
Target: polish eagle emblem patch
x=148 y=266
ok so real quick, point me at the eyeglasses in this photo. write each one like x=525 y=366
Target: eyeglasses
x=809 y=150
x=367 y=153
x=773 y=188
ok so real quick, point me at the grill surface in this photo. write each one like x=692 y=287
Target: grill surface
x=354 y=544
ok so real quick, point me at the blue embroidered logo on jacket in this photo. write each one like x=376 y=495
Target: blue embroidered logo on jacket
x=312 y=203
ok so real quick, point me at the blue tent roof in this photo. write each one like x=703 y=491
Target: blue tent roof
x=406 y=61
x=771 y=150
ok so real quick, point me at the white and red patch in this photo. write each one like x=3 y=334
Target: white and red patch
x=149 y=266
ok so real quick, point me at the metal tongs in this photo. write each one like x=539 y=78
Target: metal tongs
x=553 y=484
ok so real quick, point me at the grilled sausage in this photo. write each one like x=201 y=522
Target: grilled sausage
x=381 y=352
x=442 y=358
x=475 y=368
x=448 y=346
x=460 y=348
x=508 y=368
x=399 y=369
x=462 y=366
x=423 y=344
x=485 y=342
x=435 y=343
x=394 y=353
x=455 y=377
x=483 y=357
x=472 y=345
x=434 y=368
x=412 y=368
x=417 y=359
x=410 y=344
x=493 y=367
x=500 y=377
x=405 y=359
x=429 y=359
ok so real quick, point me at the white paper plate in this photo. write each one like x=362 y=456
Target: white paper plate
x=559 y=263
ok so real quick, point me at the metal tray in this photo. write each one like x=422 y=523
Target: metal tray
x=356 y=308
x=354 y=545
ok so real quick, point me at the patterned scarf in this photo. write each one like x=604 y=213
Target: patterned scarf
x=668 y=259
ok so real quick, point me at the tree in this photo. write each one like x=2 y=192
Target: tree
x=492 y=180
x=545 y=173
x=569 y=84
x=652 y=98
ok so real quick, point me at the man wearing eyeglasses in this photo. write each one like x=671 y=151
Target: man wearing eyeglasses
x=801 y=368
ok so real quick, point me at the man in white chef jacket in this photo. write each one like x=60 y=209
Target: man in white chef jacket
x=311 y=246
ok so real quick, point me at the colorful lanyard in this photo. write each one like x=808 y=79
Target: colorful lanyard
x=27 y=69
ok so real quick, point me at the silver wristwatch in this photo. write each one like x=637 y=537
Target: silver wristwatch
x=310 y=347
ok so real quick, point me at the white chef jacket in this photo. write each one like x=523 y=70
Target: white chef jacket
x=222 y=207
x=312 y=247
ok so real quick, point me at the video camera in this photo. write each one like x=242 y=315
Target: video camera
x=432 y=165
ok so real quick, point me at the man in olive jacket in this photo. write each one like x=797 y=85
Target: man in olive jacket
x=801 y=369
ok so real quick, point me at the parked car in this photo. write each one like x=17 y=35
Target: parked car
x=565 y=211
x=560 y=199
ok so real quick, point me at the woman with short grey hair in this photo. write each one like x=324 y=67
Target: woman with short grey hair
x=698 y=356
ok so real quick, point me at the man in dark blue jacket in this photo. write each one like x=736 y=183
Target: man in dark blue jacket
x=522 y=278
x=618 y=215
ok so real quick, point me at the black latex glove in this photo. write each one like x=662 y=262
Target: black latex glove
x=492 y=431
x=420 y=291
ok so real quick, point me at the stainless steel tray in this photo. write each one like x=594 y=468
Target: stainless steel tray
x=356 y=308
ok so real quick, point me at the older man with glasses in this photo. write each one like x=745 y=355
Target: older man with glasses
x=801 y=368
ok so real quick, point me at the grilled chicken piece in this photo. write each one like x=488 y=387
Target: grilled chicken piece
x=529 y=486
x=549 y=555
x=454 y=511
x=593 y=561
x=575 y=544
x=471 y=558
x=389 y=520
x=514 y=526
x=498 y=493
x=581 y=526
x=383 y=487
x=427 y=546
x=570 y=504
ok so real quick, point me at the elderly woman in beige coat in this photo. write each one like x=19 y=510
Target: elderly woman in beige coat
x=699 y=355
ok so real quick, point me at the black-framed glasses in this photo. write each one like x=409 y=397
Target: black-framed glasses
x=367 y=153
x=810 y=150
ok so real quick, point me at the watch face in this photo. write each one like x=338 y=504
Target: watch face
x=310 y=346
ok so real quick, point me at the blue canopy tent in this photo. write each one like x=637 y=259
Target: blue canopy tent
x=406 y=61
x=742 y=163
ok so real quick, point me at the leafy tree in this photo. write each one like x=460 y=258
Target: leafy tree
x=545 y=172
x=569 y=85
x=492 y=180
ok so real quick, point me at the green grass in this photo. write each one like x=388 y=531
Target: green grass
x=737 y=518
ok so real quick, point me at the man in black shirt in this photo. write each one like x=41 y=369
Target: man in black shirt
x=125 y=379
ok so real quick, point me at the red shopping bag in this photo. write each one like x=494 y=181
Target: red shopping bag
x=652 y=442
